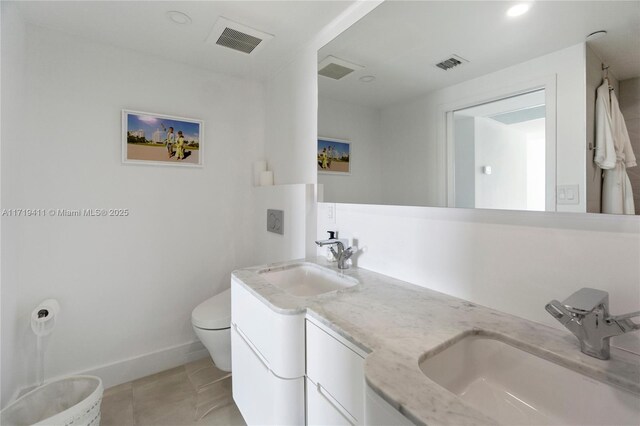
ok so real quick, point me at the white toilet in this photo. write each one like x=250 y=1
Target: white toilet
x=211 y=321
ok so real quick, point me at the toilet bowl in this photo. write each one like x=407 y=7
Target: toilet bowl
x=211 y=322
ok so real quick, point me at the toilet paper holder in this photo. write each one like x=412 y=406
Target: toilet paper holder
x=43 y=317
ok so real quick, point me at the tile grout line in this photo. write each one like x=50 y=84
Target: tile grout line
x=206 y=386
x=133 y=406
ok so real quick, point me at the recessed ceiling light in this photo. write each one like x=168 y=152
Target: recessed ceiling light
x=367 y=78
x=179 y=17
x=518 y=9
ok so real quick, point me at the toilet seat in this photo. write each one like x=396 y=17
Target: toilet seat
x=213 y=313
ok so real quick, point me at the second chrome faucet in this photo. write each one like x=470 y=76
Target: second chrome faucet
x=340 y=253
x=586 y=314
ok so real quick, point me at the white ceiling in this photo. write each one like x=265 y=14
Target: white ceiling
x=400 y=42
x=143 y=26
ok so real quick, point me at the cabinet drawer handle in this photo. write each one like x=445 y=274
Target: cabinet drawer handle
x=343 y=411
x=253 y=348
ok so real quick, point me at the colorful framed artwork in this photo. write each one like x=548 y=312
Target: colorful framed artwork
x=158 y=139
x=334 y=156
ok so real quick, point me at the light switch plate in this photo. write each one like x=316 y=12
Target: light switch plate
x=331 y=213
x=568 y=194
x=275 y=221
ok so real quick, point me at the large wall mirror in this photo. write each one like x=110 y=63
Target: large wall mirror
x=484 y=104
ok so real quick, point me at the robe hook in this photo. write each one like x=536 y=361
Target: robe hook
x=605 y=68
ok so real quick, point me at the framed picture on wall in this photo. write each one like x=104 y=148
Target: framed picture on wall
x=158 y=139
x=334 y=156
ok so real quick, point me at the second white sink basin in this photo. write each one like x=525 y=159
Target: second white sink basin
x=306 y=279
x=517 y=388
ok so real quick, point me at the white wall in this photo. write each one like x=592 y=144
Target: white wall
x=415 y=169
x=12 y=122
x=630 y=107
x=291 y=105
x=127 y=286
x=512 y=261
x=361 y=126
x=290 y=149
x=295 y=200
x=416 y=172
x=535 y=166
x=465 y=161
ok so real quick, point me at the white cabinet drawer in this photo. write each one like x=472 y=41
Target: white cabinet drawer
x=323 y=410
x=379 y=413
x=262 y=397
x=337 y=369
x=278 y=337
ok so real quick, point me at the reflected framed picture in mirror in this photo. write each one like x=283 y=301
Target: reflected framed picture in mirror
x=334 y=156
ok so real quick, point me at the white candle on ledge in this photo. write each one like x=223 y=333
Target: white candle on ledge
x=266 y=178
x=258 y=168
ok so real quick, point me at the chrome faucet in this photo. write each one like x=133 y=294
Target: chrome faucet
x=586 y=314
x=340 y=253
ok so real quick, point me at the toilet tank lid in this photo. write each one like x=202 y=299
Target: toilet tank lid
x=213 y=313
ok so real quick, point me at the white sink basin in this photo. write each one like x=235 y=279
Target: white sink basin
x=306 y=279
x=517 y=388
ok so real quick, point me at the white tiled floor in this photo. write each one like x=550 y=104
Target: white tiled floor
x=182 y=396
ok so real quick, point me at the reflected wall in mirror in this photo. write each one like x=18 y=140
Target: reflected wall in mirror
x=459 y=104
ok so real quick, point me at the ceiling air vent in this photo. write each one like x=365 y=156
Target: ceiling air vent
x=451 y=62
x=237 y=40
x=236 y=36
x=336 y=68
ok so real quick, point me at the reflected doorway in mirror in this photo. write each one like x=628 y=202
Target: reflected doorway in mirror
x=499 y=153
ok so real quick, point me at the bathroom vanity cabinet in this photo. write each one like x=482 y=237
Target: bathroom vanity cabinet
x=336 y=357
x=268 y=361
x=335 y=378
x=336 y=390
x=292 y=369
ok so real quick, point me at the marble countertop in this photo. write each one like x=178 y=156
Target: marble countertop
x=400 y=324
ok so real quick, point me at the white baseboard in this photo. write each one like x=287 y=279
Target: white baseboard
x=136 y=367
x=142 y=365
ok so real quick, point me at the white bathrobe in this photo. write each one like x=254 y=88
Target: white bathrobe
x=613 y=153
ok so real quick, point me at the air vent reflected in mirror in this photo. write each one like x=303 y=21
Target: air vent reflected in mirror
x=336 y=68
